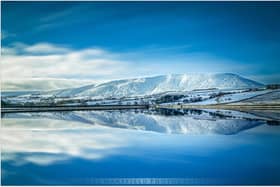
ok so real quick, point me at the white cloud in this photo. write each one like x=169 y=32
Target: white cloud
x=44 y=60
x=46 y=48
x=43 y=84
x=8 y=51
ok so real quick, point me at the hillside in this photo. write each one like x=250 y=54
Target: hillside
x=159 y=84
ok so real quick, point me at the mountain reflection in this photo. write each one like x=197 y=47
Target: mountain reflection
x=170 y=121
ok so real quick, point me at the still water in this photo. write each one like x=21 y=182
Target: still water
x=140 y=147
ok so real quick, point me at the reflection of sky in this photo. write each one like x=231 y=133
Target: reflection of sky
x=69 y=140
x=60 y=152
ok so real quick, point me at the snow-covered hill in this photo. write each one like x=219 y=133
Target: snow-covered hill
x=159 y=84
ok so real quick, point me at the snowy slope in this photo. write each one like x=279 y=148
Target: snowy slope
x=269 y=98
x=231 y=98
x=158 y=84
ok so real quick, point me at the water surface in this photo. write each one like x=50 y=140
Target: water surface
x=141 y=147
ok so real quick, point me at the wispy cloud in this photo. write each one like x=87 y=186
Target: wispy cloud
x=45 y=61
x=60 y=18
x=43 y=84
x=5 y=34
x=45 y=66
x=46 y=48
x=61 y=14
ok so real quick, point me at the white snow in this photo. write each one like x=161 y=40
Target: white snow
x=190 y=88
x=159 y=84
x=229 y=98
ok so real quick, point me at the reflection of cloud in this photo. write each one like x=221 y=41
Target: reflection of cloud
x=51 y=141
x=44 y=141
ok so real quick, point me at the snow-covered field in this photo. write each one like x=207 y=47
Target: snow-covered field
x=231 y=98
x=199 y=97
x=159 y=90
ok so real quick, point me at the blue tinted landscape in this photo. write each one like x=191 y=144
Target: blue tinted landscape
x=138 y=147
x=140 y=93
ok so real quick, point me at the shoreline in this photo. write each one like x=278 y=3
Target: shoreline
x=70 y=108
x=239 y=107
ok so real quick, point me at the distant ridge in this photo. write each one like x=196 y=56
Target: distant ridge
x=158 y=84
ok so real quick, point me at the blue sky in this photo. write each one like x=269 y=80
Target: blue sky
x=112 y=40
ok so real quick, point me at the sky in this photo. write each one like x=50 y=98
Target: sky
x=51 y=45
